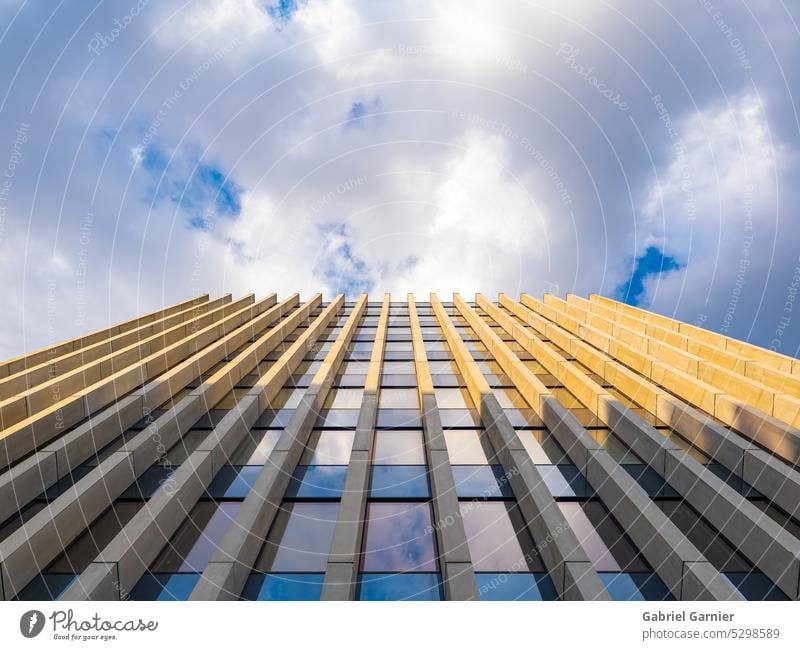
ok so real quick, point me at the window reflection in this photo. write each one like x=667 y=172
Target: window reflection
x=497 y=538
x=398 y=447
x=300 y=538
x=399 y=537
x=197 y=539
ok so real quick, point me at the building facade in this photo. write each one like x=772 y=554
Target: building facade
x=387 y=450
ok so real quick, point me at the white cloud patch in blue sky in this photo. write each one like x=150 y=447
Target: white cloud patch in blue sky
x=399 y=146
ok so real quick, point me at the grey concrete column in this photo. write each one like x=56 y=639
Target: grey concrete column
x=229 y=568
x=458 y=575
x=562 y=553
x=758 y=537
x=341 y=574
x=127 y=556
x=679 y=564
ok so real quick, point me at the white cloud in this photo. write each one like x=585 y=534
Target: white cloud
x=721 y=171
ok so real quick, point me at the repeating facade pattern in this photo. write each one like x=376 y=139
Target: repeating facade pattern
x=498 y=450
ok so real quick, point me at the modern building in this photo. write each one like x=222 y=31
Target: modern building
x=518 y=449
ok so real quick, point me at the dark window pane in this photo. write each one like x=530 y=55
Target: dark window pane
x=399 y=586
x=497 y=538
x=47 y=586
x=150 y=480
x=399 y=482
x=197 y=539
x=233 y=482
x=399 y=537
x=755 y=585
x=177 y=586
x=317 y=482
x=87 y=547
x=283 y=586
x=515 y=586
x=300 y=538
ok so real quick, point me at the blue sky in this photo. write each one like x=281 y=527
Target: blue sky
x=150 y=150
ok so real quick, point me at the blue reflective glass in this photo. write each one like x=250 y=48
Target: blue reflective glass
x=46 y=586
x=515 y=586
x=399 y=482
x=233 y=482
x=481 y=482
x=635 y=586
x=755 y=585
x=165 y=586
x=317 y=482
x=283 y=586
x=399 y=586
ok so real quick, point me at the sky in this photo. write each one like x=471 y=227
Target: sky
x=640 y=149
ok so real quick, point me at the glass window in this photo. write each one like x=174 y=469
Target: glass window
x=399 y=346
x=510 y=398
x=552 y=450
x=317 y=482
x=497 y=537
x=397 y=447
x=599 y=554
x=191 y=548
x=354 y=368
x=287 y=398
x=443 y=368
x=398 y=368
x=344 y=398
x=233 y=482
x=338 y=418
x=300 y=538
x=635 y=586
x=329 y=447
x=467 y=447
x=399 y=418
x=399 y=586
x=460 y=418
x=481 y=482
x=283 y=586
x=515 y=586
x=80 y=554
x=399 y=398
x=399 y=537
x=256 y=447
x=453 y=398
x=181 y=450
x=165 y=586
x=399 y=482
x=534 y=448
